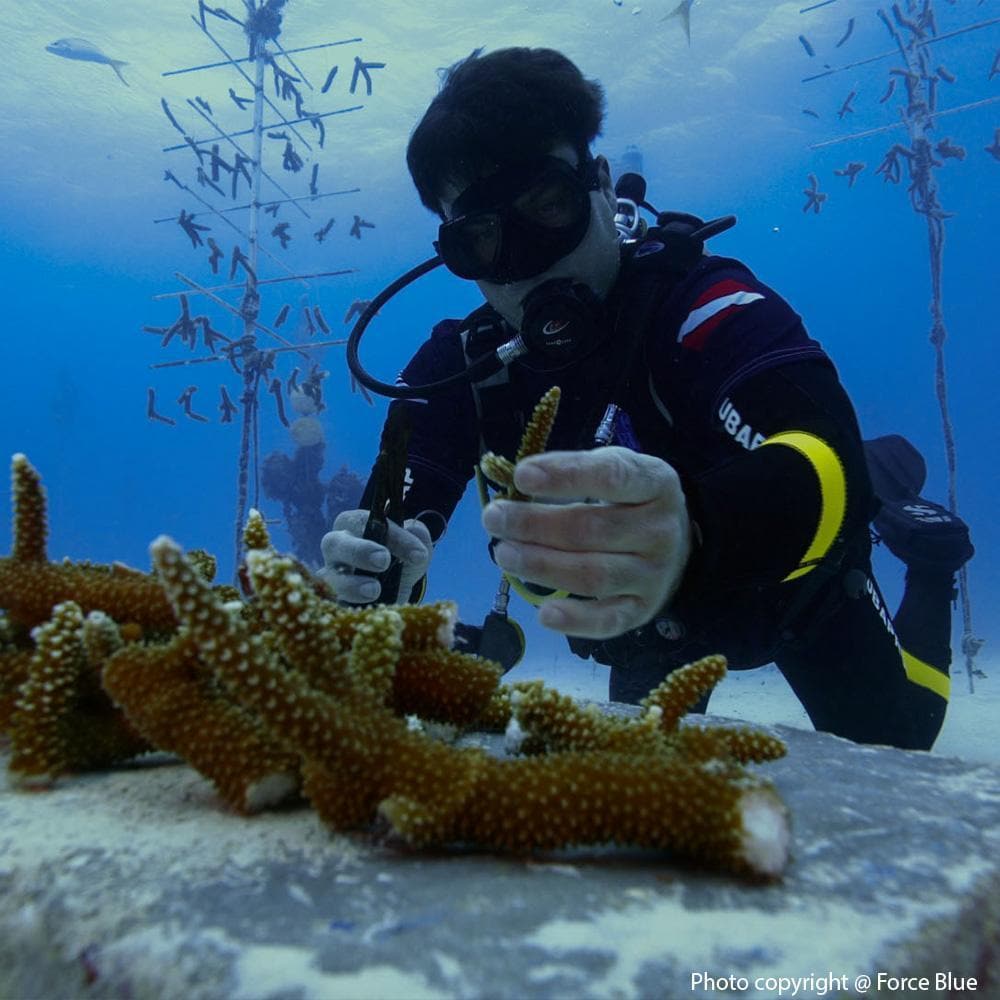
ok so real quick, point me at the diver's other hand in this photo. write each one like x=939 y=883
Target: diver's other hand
x=345 y=552
x=628 y=549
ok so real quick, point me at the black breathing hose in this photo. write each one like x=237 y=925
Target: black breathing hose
x=479 y=368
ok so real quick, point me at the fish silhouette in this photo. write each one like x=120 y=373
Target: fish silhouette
x=683 y=11
x=80 y=48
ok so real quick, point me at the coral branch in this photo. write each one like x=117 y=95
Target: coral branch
x=30 y=586
x=362 y=762
x=534 y=440
x=62 y=721
x=176 y=703
x=290 y=691
x=30 y=528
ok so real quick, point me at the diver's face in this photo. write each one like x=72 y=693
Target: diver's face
x=594 y=261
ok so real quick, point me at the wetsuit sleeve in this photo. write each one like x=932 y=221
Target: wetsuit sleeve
x=778 y=476
x=443 y=443
x=774 y=511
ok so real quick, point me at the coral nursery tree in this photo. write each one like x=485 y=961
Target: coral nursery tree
x=914 y=83
x=239 y=183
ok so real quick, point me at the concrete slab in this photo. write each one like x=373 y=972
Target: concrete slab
x=137 y=883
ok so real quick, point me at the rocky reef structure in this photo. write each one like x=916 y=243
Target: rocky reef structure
x=288 y=693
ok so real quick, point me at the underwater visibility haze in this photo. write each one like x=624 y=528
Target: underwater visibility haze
x=122 y=378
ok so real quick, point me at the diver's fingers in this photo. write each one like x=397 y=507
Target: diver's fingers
x=344 y=551
x=613 y=474
x=593 y=619
x=587 y=574
x=351 y=587
x=410 y=542
x=584 y=527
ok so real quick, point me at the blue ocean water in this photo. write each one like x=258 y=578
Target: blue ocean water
x=89 y=234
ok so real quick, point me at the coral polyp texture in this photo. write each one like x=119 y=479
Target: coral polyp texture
x=534 y=440
x=31 y=585
x=637 y=782
x=290 y=694
x=62 y=720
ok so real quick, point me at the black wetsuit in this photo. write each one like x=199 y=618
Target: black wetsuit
x=723 y=383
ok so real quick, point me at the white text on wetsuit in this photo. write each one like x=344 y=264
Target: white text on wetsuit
x=742 y=433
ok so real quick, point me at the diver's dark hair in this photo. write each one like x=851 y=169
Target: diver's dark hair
x=496 y=109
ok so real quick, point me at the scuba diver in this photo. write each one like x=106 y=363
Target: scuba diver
x=707 y=491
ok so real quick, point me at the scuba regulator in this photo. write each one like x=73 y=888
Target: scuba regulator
x=562 y=318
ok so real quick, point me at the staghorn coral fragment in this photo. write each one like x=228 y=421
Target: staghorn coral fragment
x=356 y=753
x=552 y=721
x=424 y=677
x=534 y=440
x=443 y=685
x=29 y=591
x=362 y=762
x=30 y=522
x=683 y=688
x=179 y=706
x=743 y=743
x=695 y=811
x=30 y=586
x=498 y=469
x=62 y=720
x=204 y=562
x=255 y=534
x=14 y=667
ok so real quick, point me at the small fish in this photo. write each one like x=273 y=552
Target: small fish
x=810 y=112
x=80 y=48
x=683 y=11
x=810 y=51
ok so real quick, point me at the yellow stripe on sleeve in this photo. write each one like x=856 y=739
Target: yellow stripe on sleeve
x=923 y=674
x=832 y=489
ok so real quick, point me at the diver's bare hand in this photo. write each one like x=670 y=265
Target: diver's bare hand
x=627 y=548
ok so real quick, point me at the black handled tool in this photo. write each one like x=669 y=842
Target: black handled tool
x=387 y=498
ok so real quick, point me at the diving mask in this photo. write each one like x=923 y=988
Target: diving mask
x=515 y=224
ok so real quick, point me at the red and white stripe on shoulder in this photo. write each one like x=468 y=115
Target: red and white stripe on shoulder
x=714 y=305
